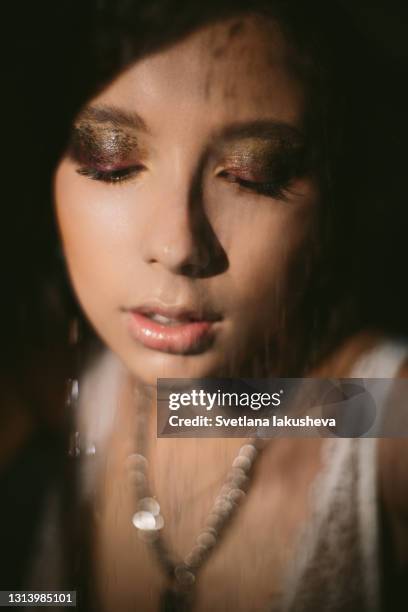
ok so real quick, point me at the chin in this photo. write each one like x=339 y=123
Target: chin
x=151 y=365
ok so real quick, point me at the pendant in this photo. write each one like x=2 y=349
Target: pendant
x=175 y=601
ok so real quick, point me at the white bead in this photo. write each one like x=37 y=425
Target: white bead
x=244 y=463
x=144 y=520
x=236 y=495
x=211 y=530
x=149 y=504
x=215 y=520
x=206 y=539
x=184 y=575
x=137 y=478
x=225 y=490
x=223 y=507
x=248 y=450
x=192 y=560
x=238 y=479
x=136 y=461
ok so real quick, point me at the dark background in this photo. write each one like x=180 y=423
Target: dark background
x=45 y=60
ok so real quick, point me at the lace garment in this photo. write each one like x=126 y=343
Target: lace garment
x=336 y=565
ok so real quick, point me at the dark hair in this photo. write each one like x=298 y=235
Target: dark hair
x=64 y=52
x=350 y=125
x=358 y=120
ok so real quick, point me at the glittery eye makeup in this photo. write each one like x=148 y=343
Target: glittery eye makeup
x=105 y=151
x=264 y=165
x=262 y=157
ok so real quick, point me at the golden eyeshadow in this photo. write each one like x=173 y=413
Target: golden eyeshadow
x=251 y=151
x=101 y=143
x=262 y=156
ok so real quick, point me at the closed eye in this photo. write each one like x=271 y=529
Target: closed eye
x=272 y=189
x=117 y=175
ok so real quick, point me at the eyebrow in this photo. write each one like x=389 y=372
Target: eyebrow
x=280 y=131
x=272 y=129
x=119 y=117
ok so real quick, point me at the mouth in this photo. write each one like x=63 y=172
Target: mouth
x=175 y=330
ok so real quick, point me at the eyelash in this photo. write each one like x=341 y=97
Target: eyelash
x=268 y=189
x=111 y=176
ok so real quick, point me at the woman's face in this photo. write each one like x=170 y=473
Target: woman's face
x=185 y=203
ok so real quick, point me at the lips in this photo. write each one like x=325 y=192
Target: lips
x=169 y=329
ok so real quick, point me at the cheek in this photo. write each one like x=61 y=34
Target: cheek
x=94 y=227
x=266 y=248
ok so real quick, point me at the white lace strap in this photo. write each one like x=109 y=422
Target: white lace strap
x=342 y=535
x=382 y=361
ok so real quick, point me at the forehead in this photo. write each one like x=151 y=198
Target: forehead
x=242 y=68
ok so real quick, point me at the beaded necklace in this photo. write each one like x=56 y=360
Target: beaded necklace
x=182 y=573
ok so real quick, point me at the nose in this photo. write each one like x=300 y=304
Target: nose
x=176 y=236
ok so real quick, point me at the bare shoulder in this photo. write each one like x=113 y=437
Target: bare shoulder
x=393 y=481
x=393 y=457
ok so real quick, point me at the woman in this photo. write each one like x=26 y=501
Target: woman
x=202 y=204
